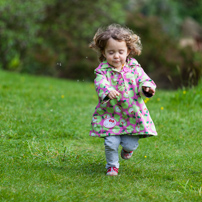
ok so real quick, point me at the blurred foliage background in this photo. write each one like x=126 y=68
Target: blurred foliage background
x=51 y=37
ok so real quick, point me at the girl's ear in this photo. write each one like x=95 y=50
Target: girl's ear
x=128 y=52
x=103 y=53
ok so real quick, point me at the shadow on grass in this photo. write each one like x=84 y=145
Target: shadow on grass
x=87 y=165
x=83 y=169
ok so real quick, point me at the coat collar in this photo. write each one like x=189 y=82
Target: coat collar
x=129 y=63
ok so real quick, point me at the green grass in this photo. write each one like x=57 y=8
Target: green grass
x=46 y=153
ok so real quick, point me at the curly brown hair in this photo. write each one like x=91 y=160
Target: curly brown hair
x=118 y=33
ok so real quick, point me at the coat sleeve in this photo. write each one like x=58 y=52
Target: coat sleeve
x=102 y=85
x=144 y=80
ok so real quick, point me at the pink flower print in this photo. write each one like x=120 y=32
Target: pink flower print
x=132 y=81
x=103 y=104
x=116 y=75
x=118 y=109
x=123 y=122
x=94 y=120
x=126 y=95
x=131 y=110
x=93 y=134
x=106 y=116
x=137 y=128
x=139 y=114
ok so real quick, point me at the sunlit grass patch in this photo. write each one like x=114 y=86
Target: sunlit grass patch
x=46 y=153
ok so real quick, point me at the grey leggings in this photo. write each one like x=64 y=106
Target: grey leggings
x=128 y=142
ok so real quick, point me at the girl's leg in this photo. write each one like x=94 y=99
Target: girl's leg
x=129 y=142
x=111 y=151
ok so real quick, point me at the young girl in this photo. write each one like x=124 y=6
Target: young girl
x=121 y=116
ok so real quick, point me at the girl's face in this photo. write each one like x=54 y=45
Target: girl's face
x=116 y=53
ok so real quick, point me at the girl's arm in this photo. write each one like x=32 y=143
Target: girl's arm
x=102 y=86
x=146 y=86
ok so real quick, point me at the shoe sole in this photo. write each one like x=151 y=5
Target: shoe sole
x=112 y=174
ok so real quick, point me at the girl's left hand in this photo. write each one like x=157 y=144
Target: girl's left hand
x=148 y=90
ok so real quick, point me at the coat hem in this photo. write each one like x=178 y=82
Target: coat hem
x=143 y=135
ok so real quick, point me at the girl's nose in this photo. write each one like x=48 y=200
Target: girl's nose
x=116 y=55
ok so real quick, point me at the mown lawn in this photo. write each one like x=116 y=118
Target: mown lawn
x=46 y=153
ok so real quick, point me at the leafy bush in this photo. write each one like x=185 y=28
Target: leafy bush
x=19 y=25
x=162 y=58
x=51 y=38
x=68 y=28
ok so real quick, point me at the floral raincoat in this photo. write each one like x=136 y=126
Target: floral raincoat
x=127 y=114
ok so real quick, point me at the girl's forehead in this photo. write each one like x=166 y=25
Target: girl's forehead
x=112 y=43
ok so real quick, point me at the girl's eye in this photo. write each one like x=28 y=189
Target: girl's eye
x=121 y=52
x=111 y=53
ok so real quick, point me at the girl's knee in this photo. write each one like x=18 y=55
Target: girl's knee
x=130 y=147
x=130 y=143
x=112 y=142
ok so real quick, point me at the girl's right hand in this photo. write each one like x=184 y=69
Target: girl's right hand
x=113 y=94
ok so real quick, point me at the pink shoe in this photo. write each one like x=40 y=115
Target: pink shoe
x=112 y=171
x=126 y=155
